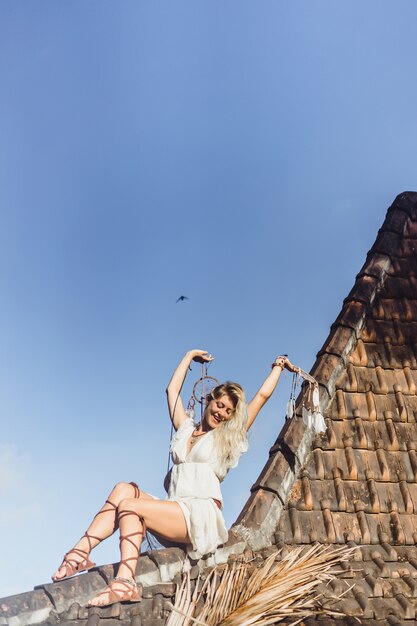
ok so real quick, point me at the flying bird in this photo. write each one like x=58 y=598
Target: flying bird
x=182 y=298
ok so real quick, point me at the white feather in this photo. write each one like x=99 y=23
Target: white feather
x=316 y=396
x=319 y=423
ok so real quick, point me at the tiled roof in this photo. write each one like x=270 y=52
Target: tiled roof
x=355 y=484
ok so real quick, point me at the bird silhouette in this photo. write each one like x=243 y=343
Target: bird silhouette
x=182 y=298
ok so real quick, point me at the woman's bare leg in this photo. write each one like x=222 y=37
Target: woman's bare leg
x=103 y=525
x=164 y=518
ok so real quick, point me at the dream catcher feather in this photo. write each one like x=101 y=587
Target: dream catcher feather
x=310 y=409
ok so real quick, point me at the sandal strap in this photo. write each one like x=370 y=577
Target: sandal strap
x=128 y=581
x=123 y=514
x=113 y=507
x=129 y=540
x=73 y=563
x=131 y=592
x=78 y=551
x=136 y=488
x=112 y=504
x=125 y=562
x=90 y=546
x=73 y=566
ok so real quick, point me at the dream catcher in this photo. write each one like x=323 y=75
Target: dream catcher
x=202 y=387
x=310 y=408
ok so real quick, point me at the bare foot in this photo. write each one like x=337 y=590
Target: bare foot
x=76 y=560
x=119 y=590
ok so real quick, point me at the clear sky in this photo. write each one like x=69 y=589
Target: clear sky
x=242 y=153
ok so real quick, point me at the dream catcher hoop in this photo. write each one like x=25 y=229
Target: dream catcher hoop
x=201 y=389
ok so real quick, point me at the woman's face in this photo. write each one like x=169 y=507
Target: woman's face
x=219 y=410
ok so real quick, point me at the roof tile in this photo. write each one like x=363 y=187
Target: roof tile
x=337 y=340
x=387 y=242
x=396 y=221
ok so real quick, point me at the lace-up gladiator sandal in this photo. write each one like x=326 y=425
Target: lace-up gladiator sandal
x=74 y=566
x=129 y=590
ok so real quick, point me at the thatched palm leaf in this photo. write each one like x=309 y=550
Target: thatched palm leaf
x=238 y=596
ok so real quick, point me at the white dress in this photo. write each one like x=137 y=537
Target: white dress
x=195 y=484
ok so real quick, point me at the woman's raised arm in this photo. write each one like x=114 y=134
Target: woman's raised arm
x=175 y=405
x=268 y=387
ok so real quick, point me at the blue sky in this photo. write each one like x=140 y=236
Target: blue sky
x=240 y=153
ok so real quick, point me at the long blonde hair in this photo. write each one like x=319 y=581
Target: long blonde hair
x=230 y=437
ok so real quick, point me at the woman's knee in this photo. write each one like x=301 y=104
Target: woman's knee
x=124 y=490
x=128 y=505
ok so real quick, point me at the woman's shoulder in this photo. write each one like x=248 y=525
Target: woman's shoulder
x=186 y=425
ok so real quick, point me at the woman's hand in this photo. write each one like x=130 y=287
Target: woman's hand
x=201 y=356
x=284 y=362
x=268 y=387
x=175 y=405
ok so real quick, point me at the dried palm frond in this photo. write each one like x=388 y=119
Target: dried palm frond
x=237 y=595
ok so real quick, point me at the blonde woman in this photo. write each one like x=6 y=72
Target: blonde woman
x=202 y=455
